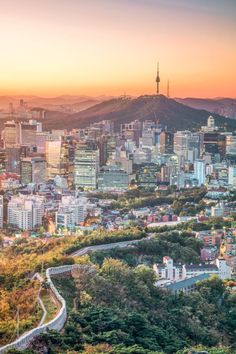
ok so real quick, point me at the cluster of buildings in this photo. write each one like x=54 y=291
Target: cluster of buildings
x=184 y=277
x=29 y=211
x=218 y=257
x=107 y=158
x=212 y=240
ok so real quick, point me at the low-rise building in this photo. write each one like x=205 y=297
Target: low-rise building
x=175 y=272
x=187 y=285
x=168 y=270
x=192 y=270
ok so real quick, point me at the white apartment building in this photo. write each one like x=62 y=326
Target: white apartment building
x=224 y=268
x=71 y=211
x=25 y=212
x=172 y=272
x=218 y=210
x=168 y=270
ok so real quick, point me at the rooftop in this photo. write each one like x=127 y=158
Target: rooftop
x=187 y=282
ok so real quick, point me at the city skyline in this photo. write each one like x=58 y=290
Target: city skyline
x=111 y=47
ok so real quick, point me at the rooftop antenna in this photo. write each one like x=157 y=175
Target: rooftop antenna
x=168 y=88
x=158 y=79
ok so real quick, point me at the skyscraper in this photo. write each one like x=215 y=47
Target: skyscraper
x=2 y=161
x=33 y=170
x=166 y=142
x=57 y=157
x=232 y=176
x=199 y=171
x=11 y=136
x=86 y=165
x=28 y=132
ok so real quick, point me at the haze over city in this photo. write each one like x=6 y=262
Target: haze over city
x=110 y=47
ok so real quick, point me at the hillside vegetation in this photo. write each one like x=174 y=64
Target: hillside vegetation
x=18 y=264
x=117 y=308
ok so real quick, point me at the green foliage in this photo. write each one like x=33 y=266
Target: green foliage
x=100 y=237
x=128 y=313
x=181 y=246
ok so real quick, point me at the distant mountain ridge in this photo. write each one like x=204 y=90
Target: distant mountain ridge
x=170 y=112
x=222 y=106
x=73 y=103
x=121 y=110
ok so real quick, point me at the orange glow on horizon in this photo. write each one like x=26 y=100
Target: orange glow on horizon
x=110 y=47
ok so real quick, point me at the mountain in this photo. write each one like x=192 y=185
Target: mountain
x=65 y=103
x=122 y=110
x=223 y=106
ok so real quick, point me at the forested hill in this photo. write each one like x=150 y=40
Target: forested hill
x=122 y=110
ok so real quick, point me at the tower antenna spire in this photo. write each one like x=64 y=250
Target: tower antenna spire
x=158 y=79
x=168 y=88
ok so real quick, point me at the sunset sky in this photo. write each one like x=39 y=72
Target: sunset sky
x=95 y=47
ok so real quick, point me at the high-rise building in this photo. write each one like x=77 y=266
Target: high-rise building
x=166 y=173
x=41 y=138
x=13 y=157
x=11 y=134
x=147 y=176
x=187 y=145
x=103 y=154
x=111 y=146
x=200 y=171
x=28 y=132
x=181 y=139
x=210 y=127
x=86 y=165
x=33 y=170
x=232 y=176
x=215 y=143
x=166 y=142
x=71 y=212
x=211 y=122
x=21 y=133
x=231 y=144
x=177 y=178
x=57 y=157
x=112 y=178
x=132 y=130
x=25 y=212
x=3 y=161
x=122 y=159
x=53 y=158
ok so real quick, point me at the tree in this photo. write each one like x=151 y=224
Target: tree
x=98 y=349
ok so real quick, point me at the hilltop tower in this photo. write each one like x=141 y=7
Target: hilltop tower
x=168 y=89
x=158 y=78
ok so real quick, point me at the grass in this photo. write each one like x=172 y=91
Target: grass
x=67 y=288
x=50 y=304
